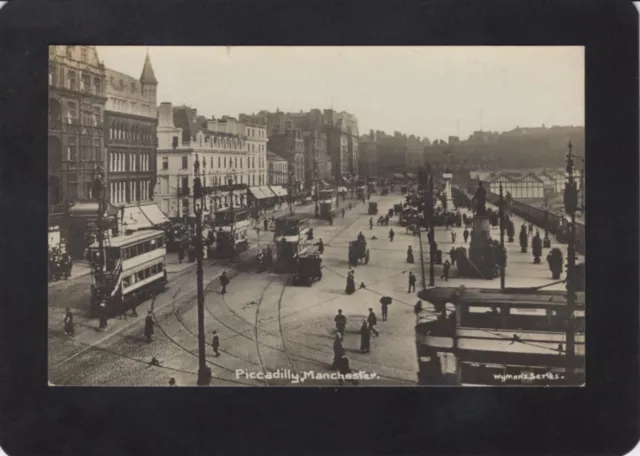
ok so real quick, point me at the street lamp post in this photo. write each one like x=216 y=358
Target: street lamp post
x=502 y=250
x=571 y=205
x=431 y=235
x=204 y=372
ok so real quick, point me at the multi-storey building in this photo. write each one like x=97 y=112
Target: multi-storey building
x=342 y=145
x=75 y=142
x=256 y=141
x=278 y=169
x=219 y=146
x=316 y=161
x=368 y=156
x=131 y=120
x=290 y=146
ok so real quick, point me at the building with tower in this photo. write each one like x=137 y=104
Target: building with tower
x=130 y=137
x=75 y=147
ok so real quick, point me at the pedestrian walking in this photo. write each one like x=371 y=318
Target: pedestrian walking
x=453 y=237
x=385 y=308
x=351 y=283
x=445 y=271
x=215 y=343
x=148 y=326
x=345 y=370
x=341 y=322
x=320 y=246
x=452 y=254
x=370 y=223
x=465 y=235
x=417 y=308
x=135 y=300
x=530 y=229
x=266 y=224
x=68 y=323
x=103 y=315
x=338 y=351
x=373 y=321
x=343 y=212
x=391 y=235
x=224 y=281
x=180 y=252
x=412 y=282
x=365 y=337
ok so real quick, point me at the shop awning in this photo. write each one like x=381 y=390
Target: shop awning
x=278 y=190
x=398 y=176
x=346 y=179
x=134 y=219
x=342 y=189
x=154 y=214
x=90 y=210
x=325 y=184
x=411 y=175
x=260 y=193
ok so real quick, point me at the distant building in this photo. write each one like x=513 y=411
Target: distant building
x=316 y=161
x=278 y=169
x=289 y=145
x=368 y=156
x=75 y=142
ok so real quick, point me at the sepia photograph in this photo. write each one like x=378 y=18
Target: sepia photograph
x=293 y=216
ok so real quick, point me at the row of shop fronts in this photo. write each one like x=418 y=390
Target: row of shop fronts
x=75 y=226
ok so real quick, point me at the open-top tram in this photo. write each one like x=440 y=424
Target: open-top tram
x=477 y=336
x=290 y=234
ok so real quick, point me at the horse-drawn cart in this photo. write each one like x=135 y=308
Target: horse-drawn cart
x=358 y=252
x=308 y=268
x=373 y=208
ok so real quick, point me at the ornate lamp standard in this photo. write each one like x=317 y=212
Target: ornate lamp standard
x=204 y=372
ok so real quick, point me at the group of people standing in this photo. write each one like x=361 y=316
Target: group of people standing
x=60 y=263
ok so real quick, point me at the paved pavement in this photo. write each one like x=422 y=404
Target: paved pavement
x=267 y=326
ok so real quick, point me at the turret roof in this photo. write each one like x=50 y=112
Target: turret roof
x=148 y=77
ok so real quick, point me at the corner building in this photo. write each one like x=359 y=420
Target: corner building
x=75 y=146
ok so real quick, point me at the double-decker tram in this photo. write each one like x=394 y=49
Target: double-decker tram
x=134 y=268
x=231 y=227
x=290 y=236
x=326 y=201
x=480 y=337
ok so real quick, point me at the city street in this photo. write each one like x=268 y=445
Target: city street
x=268 y=326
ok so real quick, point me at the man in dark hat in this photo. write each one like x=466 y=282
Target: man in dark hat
x=373 y=321
x=412 y=282
x=68 y=322
x=224 y=281
x=148 y=326
x=103 y=315
x=341 y=322
x=215 y=343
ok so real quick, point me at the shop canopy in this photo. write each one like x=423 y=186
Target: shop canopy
x=134 y=219
x=346 y=179
x=261 y=192
x=324 y=184
x=411 y=175
x=342 y=189
x=278 y=190
x=154 y=214
x=398 y=176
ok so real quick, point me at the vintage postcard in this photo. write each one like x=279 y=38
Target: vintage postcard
x=316 y=216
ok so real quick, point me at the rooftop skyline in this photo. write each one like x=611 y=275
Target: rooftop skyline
x=432 y=92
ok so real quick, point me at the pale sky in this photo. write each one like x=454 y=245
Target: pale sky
x=425 y=91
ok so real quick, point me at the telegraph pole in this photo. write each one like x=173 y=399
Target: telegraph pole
x=316 y=178
x=99 y=192
x=432 y=235
x=289 y=198
x=571 y=205
x=502 y=251
x=204 y=372
x=422 y=179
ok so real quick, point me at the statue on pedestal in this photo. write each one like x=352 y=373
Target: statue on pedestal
x=480 y=200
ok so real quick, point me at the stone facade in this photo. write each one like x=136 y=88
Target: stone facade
x=278 y=170
x=75 y=149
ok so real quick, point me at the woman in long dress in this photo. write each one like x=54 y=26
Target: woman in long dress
x=351 y=284
x=365 y=337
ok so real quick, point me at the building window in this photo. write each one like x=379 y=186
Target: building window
x=165 y=163
x=86 y=83
x=184 y=163
x=71 y=80
x=185 y=186
x=72 y=149
x=72 y=112
x=219 y=163
x=97 y=149
x=211 y=162
x=241 y=163
x=225 y=162
x=97 y=116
